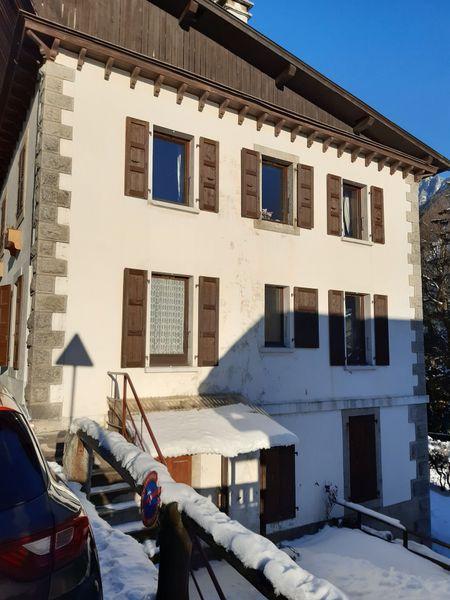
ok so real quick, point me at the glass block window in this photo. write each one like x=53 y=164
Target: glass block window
x=168 y=320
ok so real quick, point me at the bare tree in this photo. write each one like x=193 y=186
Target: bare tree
x=435 y=246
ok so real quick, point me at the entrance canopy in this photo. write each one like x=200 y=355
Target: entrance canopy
x=226 y=430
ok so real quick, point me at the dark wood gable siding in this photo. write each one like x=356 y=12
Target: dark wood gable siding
x=143 y=27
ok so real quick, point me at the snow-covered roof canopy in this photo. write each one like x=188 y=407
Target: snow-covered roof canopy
x=225 y=430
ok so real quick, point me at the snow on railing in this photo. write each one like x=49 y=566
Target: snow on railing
x=254 y=551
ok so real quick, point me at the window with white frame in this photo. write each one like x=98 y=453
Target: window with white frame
x=354 y=211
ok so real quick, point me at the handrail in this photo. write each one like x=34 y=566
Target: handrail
x=125 y=408
x=372 y=514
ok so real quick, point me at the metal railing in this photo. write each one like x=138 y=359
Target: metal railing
x=406 y=534
x=127 y=415
x=124 y=418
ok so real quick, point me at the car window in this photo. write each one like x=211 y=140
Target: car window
x=21 y=475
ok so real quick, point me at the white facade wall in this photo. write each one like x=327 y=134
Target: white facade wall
x=110 y=231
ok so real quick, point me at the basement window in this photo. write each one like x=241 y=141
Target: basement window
x=170 y=168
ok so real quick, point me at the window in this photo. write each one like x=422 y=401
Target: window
x=169 y=313
x=170 y=169
x=352 y=211
x=274 y=316
x=274 y=191
x=21 y=184
x=355 y=330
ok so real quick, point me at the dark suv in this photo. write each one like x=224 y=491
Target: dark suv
x=47 y=549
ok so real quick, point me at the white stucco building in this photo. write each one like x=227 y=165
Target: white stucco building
x=227 y=226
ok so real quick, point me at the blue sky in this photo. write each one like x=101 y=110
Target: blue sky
x=393 y=54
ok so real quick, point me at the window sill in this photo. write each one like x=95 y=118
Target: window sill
x=180 y=369
x=174 y=206
x=275 y=350
x=351 y=368
x=356 y=241
x=277 y=227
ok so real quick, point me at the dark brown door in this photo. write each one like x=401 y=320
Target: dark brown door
x=363 y=458
x=180 y=468
x=277 y=484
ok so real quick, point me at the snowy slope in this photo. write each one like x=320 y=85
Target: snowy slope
x=366 y=567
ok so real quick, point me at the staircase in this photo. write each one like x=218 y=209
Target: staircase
x=117 y=503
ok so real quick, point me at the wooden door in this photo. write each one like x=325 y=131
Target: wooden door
x=180 y=468
x=277 y=484
x=363 y=458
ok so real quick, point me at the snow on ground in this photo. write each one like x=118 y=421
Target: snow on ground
x=366 y=567
x=127 y=573
x=226 y=430
x=440 y=519
x=253 y=550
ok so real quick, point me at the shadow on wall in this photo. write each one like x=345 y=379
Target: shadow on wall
x=288 y=374
x=74 y=355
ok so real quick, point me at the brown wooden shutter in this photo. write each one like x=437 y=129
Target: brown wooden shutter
x=277 y=484
x=180 y=468
x=380 y=311
x=305 y=196
x=5 y=318
x=377 y=212
x=250 y=165
x=134 y=318
x=136 y=158
x=306 y=318
x=209 y=175
x=208 y=322
x=334 y=204
x=336 y=327
x=17 y=322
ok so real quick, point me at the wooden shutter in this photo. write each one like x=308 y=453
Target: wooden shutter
x=380 y=311
x=209 y=175
x=250 y=165
x=21 y=183
x=306 y=318
x=334 y=204
x=363 y=458
x=17 y=322
x=336 y=327
x=377 y=212
x=277 y=484
x=305 y=196
x=208 y=322
x=134 y=318
x=5 y=314
x=136 y=158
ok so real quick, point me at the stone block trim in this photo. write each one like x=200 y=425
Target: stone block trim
x=47 y=266
x=417 y=414
x=415 y=282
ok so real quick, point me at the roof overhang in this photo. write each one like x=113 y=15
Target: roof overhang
x=50 y=37
x=228 y=430
x=240 y=38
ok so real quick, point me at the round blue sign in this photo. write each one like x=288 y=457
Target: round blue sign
x=150 y=499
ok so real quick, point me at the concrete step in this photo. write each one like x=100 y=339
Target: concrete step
x=102 y=477
x=120 y=513
x=113 y=492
